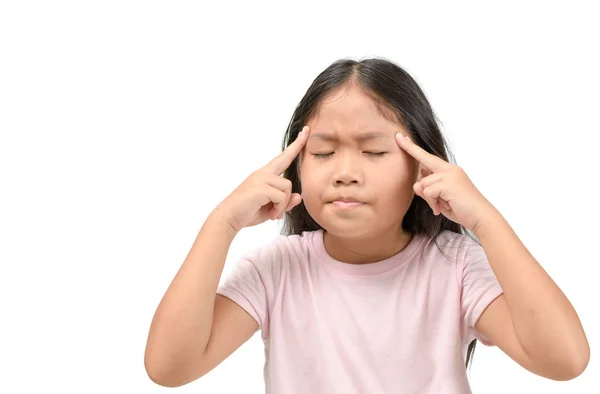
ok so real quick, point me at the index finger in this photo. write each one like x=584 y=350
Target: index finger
x=279 y=164
x=430 y=161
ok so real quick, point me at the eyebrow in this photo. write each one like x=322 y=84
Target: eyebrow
x=370 y=135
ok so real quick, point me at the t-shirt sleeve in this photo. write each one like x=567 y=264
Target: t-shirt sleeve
x=252 y=283
x=479 y=287
x=245 y=286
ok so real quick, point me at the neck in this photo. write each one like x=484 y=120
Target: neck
x=365 y=250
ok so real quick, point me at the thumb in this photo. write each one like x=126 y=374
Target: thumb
x=295 y=199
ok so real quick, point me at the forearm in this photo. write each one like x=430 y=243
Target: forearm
x=182 y=324
x=544 y=320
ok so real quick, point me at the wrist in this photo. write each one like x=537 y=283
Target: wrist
x=219 y=218
x=487 y=222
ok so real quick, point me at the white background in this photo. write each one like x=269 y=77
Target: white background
x=124 y=123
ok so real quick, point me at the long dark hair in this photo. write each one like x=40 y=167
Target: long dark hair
x=398 y=98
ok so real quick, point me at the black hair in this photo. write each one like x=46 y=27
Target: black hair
x=398 y=98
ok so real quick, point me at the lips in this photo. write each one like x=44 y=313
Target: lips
x=345 y=205
x=346 y=202
x=346 y=199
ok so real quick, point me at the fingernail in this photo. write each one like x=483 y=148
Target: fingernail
x=400 y=136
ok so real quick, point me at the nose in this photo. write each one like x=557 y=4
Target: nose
x=347 y=170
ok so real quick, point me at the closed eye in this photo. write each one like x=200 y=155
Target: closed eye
x=326 y=155
x=322 y=155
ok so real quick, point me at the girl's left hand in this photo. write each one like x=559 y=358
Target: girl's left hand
x=446 y=187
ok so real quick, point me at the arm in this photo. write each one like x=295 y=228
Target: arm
x=533 y=321
x=193 y=329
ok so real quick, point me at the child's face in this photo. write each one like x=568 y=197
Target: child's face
x=383 y=183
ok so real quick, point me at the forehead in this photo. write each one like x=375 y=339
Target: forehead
x=352 y=114
x=358 y=136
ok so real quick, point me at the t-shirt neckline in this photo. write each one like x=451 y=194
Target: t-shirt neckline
x=365 y=269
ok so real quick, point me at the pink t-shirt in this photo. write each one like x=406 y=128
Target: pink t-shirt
x=400 y=325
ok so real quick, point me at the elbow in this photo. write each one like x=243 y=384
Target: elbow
x=161 y=380
x=159 y=375
x=575 y=367
x=580 y=361
x=165 y=378
x=169 y=374
x=580 y=365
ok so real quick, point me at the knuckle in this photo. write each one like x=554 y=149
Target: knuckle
x=254 y=175
x=259 y=176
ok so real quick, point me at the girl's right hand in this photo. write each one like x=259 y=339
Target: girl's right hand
x=264 y=194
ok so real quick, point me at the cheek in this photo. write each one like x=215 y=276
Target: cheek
x=310 y=181
x=396 y=181
x=397 y=186
x=311 y=171
x=311 y=195
x=411 y=166
x=314 y=186
x=408 y=166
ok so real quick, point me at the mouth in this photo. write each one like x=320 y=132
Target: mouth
x=343 y=204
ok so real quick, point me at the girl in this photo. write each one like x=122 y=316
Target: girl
x=391 y=266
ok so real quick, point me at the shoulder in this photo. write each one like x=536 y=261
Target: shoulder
x=449 y=246
x=281 y=251
x=450 y=239
x=454 y=253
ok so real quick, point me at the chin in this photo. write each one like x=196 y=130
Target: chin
x=348 y=232
x=346 y=228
